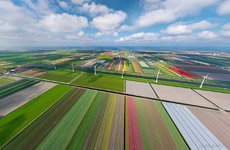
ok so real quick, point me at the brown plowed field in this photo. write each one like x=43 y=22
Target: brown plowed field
x=218 y=122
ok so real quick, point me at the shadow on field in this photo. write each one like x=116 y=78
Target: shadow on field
x=10 y=126
x=94 y=78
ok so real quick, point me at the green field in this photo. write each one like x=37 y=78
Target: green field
x=5 y=80
x=60 y=75
x=101 y=81
x=57 y=139
x=19 y=119
x=32 y=136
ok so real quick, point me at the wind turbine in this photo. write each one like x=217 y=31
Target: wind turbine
x=55 y=67
x=52 y=64
x=122 y=74
x=72 y=67
x=158 y=73
x=205 y=78
x=95 y=70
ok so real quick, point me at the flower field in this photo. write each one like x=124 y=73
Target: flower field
x=93 y=120
x=147 y=128
x=143 y=64
x=136 y=67
x=183 y=73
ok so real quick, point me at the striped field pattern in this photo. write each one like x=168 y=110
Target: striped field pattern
x=195 y=133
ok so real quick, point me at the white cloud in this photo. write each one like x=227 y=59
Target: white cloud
x=138 y=37
x=176 y=29
x=169 y=10
x=106 y=33
x=126 y=28
x=79 y=2
x=95 y=9
x=207 y=35
x=224 y=8
x=39 y=7
x=64 y=23
x=109 y=22
x=225 y=32
x=63 y=4
x=226 y=26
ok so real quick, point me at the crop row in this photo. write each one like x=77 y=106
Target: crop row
x=16 y=87
x=22 y=117
x=71 y=118
x=195 y=133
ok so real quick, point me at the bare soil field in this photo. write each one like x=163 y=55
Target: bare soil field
x=12 y=102
x=89 y=63
x=218 y=122
x=220 y=99
x=34 y=72
x=140 y=89
x=181 y=95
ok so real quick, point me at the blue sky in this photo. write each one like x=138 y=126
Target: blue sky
x=114 y=22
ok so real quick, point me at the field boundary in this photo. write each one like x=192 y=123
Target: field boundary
x=76 y=78
x=208 y=100
x=175 y=125
x=154 y=90
x=120 y=93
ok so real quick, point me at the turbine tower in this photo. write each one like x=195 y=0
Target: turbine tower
x=205 y=78
x=158 y=73
x=95 y=70
x=72 y=67
x=122 y=74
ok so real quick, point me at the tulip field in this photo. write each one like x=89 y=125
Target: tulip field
x=85 y=119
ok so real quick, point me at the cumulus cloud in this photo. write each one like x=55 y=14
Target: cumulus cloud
x=109 y=22
x=207 y=35
x=226 y=26
x=138 y=37
x=224 y=8
x=106 y=33
x=166 y=11
x=225 y=32
x=64 y=23
x=79 y=2
x=176 y=29
x=39 y=7
x=94 y=9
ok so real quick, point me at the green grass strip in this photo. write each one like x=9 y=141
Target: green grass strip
x=81 y=134
x=63 y=132
x=19 y=119
x=178 y=139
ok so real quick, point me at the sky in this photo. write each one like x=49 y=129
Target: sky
x=114 y=23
